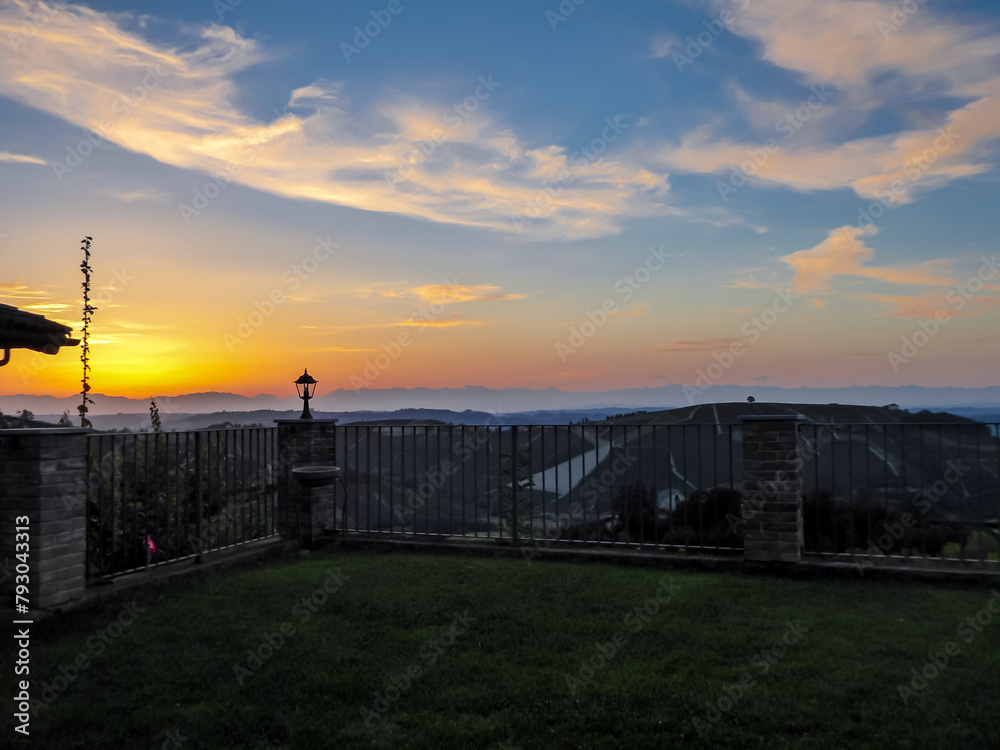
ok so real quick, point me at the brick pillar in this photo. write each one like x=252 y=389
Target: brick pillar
x=304 y=511
x=772 y=489
x=43 y=476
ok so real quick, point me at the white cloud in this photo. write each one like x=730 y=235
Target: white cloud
x=20 y=159
x=844 y=253
x=841 y=47
x=139 y=194
x=177 y=105
x=664 y=45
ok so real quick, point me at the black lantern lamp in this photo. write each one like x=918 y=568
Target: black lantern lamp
x=306 y=387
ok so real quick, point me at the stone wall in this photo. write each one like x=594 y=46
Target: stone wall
x=772 y=490
x=43 y=479
x=304 y=511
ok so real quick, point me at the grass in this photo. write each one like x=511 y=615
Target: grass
x=385 y=662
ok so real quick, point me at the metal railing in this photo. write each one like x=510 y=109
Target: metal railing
x=667 y=485
x=905 y=492
x=910 y=492
x=159 y=497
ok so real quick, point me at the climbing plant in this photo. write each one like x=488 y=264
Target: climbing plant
x=88 y=311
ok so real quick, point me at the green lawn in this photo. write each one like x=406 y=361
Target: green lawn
x=441 y=652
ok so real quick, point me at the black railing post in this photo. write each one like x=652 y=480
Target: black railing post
x=514 y=481
x=199 y=495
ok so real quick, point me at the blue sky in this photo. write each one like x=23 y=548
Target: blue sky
x=512 y=194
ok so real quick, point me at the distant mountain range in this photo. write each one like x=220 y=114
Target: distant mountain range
x=504 y=402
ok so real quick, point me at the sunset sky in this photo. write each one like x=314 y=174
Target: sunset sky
x=588 y=195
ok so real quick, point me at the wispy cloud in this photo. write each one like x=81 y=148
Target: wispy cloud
x=382 y=289
x=929 y=305
x=697 y=345
x=838 y=46
x=83 y=66
x=139 y=194
x=444 y=323
x=636 y=309
x=450 y=293
x=20 y=159
x=664 y=45
x=844 y=253
x=19 y=290
x=44 y=308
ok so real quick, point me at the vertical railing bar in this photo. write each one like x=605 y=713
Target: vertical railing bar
x=498 y=429
x=101 y=500
x=714 y=451
x=256 y=462
x=475 y=481
x=668 y=461
x=866 y=436
x=980 y=493
x=124 y=496
x=261 y=441
x=240 y=480
x=369 y=433
x=146 y=536
x=246 y=496
x=127 y=442
x=427 y=486
x=684 y=475
x=392 y=494
x=115 y=491
x=498 y=432
x=701 y=484
x=98 y=501
x=225 y=437
x=112 y=491
x=171 y=448
x=921 y=466
x=833 y=490
x=199 y=495
x=545 y=493
x=425 y=429
x=97 y=488
x=656 y=482
x=850 y=475
x=160 y=471
x=128 y=504
x=732 y=464
x=642 y=481
x=569 y=469
x=218 y=473
x=380 y=452
x=814 y=454
x=514 y=480
x=210 y=440
x=464 y=490
x=531 y=483
x=439 y=482
x=273 y=450
x=424 y=485
x=402 y=468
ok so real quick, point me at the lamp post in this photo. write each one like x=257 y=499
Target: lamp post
x=306 y=387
